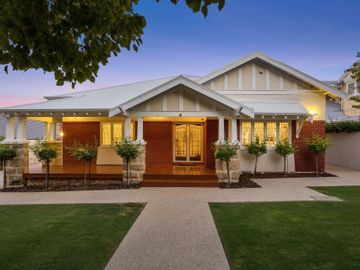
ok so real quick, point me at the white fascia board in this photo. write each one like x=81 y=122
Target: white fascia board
x=180 y=80
x=296 y=73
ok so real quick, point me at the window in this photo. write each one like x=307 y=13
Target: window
x=259 y=131
x=284 y=131
x=351 y=88
x=245 y=133
x=271 y=134
x=111 y=132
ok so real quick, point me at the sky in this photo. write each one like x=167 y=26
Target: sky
x=318 y=37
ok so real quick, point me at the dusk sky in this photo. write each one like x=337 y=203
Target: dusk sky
x=319 y=37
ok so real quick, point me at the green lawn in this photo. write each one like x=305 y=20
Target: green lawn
x=292 y=235
x=82 y=236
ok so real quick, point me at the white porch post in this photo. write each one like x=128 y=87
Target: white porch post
x=46 y=131
x=221 y=134
x=127 y=126
x=52 y=131
x=234 y=129
x=140 y=132
x=10 y=130
x=21 y=130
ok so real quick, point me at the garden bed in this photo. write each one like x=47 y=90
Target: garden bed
x=262 y=175
x=244 y=182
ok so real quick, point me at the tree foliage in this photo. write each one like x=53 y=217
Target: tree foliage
x=224 y=151
x=6 y=153
x=285 y=148
x=355 y=68
x=342 y=126
x=71 y=38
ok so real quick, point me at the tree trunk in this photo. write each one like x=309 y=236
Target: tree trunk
x=47 y=174
x=4 y=173
x=85 y=174
x=317 y=164
x=127 y=172
x=255 y=169
x=284 y=165
x=228 y=173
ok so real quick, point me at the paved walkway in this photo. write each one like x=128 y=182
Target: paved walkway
x=176 y=229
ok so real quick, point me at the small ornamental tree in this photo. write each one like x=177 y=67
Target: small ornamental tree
x=128 y=150
x=318 y=146
x=6 y=154
x=84 y=152
x=257 y=149
x=285 y=148
x=224 y=151
x=44 y=152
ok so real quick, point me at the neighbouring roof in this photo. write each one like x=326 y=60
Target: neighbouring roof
x=334 y=112
x=332 y=91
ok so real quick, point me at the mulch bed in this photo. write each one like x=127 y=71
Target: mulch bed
x=282 y=175
x=244 y=182
x=69 y=188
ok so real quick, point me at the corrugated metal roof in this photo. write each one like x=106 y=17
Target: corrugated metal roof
x=280 y=108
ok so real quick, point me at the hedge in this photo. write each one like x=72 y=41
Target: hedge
x=342 y=126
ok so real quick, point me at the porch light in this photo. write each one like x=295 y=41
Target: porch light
x=61 y=134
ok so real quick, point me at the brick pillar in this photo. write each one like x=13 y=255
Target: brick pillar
x=19 y=165
x=137 y=167
x=304 y=159
x=234 y=166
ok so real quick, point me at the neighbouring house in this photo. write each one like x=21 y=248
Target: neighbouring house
x=179 y=118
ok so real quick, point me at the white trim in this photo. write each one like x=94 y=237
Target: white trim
x=21 y=130
x=164 y=103
x=181 y=100
x=281 y=83
x=267 y=77
x=197 y=104
x=234 y=129
x=226 y=82
x=253 y=76
x=212 y=85
x=127 y=127
x=294 y=72
x=221 y=131
x=140 y=129
x=183 y=114
x=239 y=73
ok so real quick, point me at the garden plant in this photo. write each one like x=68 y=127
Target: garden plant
x=127 y=149
x=85 y=152
x=6 y=153
x=285 y=148
x=44 y=152
x=318 y=146
x=224 y=151
x=257 y=149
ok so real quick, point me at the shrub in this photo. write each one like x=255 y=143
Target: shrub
x=84 y=152
x=2 y=138
x=318 y=146
x=224 y=151
x=6 y=153
x=128 y=150
x=342 y=126
x=285 y=148
x=44 y=152
x=257 y=149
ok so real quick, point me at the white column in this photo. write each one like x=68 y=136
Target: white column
x=52 y=131
x=10 y=130
x=46 y=131
x=21 y=130
x=140 y=133
x=221 y=134
x=234 y=129
x=127 y=126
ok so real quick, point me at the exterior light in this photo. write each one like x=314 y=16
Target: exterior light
x=61 y=134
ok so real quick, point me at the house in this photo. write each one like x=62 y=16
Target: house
x=179 y=118
x=34 y=129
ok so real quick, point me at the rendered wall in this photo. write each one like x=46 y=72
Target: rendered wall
x=345 y=150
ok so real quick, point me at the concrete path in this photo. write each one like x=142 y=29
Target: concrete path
x=176 y=229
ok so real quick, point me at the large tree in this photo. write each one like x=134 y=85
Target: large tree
x=71 y=38
x=355 y=73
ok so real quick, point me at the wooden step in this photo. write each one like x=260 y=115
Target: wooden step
x=180 y=176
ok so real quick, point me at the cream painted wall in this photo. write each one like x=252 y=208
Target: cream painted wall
x=107 y=156
x=269 y=162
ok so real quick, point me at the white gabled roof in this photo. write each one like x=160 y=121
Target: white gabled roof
x=290 y=70
x=181 y=80
x=277 y=108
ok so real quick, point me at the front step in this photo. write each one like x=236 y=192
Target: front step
x=179 y=183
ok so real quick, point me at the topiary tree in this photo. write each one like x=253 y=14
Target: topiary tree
x=44 y=152
x=6 y=153
x=224 y=151
x=257 y=149
x=84 y=152
x=318 y=146
x=285 y=148
x=128 y=150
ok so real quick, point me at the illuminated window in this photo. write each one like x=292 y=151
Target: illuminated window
x=117 y=132
x=245 y=133
x=271 y=134
x=106 y=133
x=284 y=131
x=259 y=131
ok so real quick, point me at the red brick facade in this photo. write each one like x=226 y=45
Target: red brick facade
x=304 y=159
x=211 y=137
x=82 y=132
x=158 y=136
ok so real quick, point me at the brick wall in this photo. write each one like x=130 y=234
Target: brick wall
x=82 y=132
x=304 y=159
x=158 y=136
x=211 y=137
